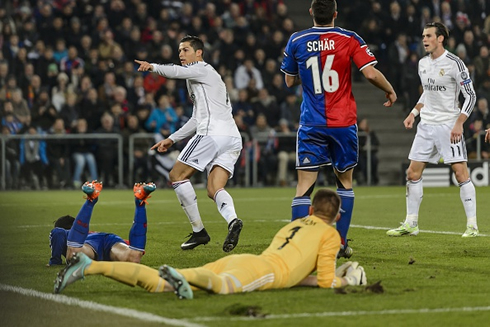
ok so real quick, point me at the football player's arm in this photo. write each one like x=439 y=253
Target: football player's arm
x=171 y=70
x=188 y=129
x=58 y=245
x=379 y=80
x=327 y=260
x=292 y=80
x=410 y=120
x=462 y=78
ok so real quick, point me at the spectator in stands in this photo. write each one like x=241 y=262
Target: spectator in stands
x=286 y=152
x=140 y=150
x=71 y=61
x=267 y=105
x=82 y=154
x=482 y=65
x=107 y=45
x=18 y=64
x=291 y=110
x=12 y=164
x=45 y=61
x=21 y=109
x=33 y=160
x=107 y=89
x=43 y=112
x=70 y=112
x=106 y=153
x=361 y=170
x=74 y=33
x=59 y=91
x=60 y=50
x=246 y=72
x=4 y=73
x=120 y=97
x=477 y=127
x=8 y=118
x=278 y=88
x=162 y=115
x=267 y=143
x=91 y=109
x=7 y=90
x=58 y=153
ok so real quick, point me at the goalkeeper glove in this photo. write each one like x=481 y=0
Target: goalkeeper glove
x=355 y=275
x=342 y=270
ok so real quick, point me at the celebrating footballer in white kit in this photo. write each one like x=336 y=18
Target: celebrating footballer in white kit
x=215 y=146
x=440 y=131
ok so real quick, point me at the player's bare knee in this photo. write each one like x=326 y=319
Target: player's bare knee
x=413 y=175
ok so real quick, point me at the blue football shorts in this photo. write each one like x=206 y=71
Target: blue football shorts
x=102 y=244
x=320 y=146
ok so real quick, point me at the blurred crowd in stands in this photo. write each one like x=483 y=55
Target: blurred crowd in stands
x=66 y=67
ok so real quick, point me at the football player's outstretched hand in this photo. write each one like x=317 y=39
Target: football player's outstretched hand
x=355 y=275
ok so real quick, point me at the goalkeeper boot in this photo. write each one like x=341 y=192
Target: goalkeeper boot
x=234 y=229
x=92 y=189
x=72 y=272
x=181 y=287
x=142 y=191
x=196 y=239
x=470 y=231
x=404 y=229
x=345 y=252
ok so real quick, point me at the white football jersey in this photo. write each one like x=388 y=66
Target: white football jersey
x=211 y=114
x=442 y=79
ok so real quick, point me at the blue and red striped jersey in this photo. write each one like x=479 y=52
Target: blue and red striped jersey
x=322 y=57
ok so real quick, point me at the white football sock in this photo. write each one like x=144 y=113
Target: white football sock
x=225 y=204
x=414 y=195
x=188 y=200
x=467 y=194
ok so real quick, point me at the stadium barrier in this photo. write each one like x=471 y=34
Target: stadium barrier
x=246 y=140
x=5 y=138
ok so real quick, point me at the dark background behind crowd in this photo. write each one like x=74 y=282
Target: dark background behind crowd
x=66 y=67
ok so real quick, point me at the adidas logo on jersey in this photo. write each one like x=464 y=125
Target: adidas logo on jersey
x=196 y=161
x=306 y=161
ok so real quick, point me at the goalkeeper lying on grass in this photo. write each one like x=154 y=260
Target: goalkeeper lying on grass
x=297 y=250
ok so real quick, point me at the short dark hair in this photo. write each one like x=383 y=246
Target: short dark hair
x=195 y=42
x=323 y=11
x=326 y=203
x=441 y=29
x=65 y=222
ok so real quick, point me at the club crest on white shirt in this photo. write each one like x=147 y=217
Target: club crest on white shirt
x=441 y=72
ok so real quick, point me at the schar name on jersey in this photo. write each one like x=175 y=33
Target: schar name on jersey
x=320 y=45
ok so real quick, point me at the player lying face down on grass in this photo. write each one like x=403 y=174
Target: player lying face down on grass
x=300 y=248
x=71 y=235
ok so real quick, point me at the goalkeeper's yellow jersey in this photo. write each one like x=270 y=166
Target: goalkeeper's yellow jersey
x=300 y=248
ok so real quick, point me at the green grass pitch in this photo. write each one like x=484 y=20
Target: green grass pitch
x=434 y=279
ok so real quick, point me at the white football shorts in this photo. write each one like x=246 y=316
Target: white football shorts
x=203 y=152
x=433 y=142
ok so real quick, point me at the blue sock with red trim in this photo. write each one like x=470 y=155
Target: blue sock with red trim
x=79 y=231
x=137 y=233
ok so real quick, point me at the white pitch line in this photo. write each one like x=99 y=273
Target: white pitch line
x=350 y=313
x=254 y=221
x=139 y=315
x=422 y=230
x=236 y=199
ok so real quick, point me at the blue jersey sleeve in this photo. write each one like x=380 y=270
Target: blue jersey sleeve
x=289 y=64
x=57 y=242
